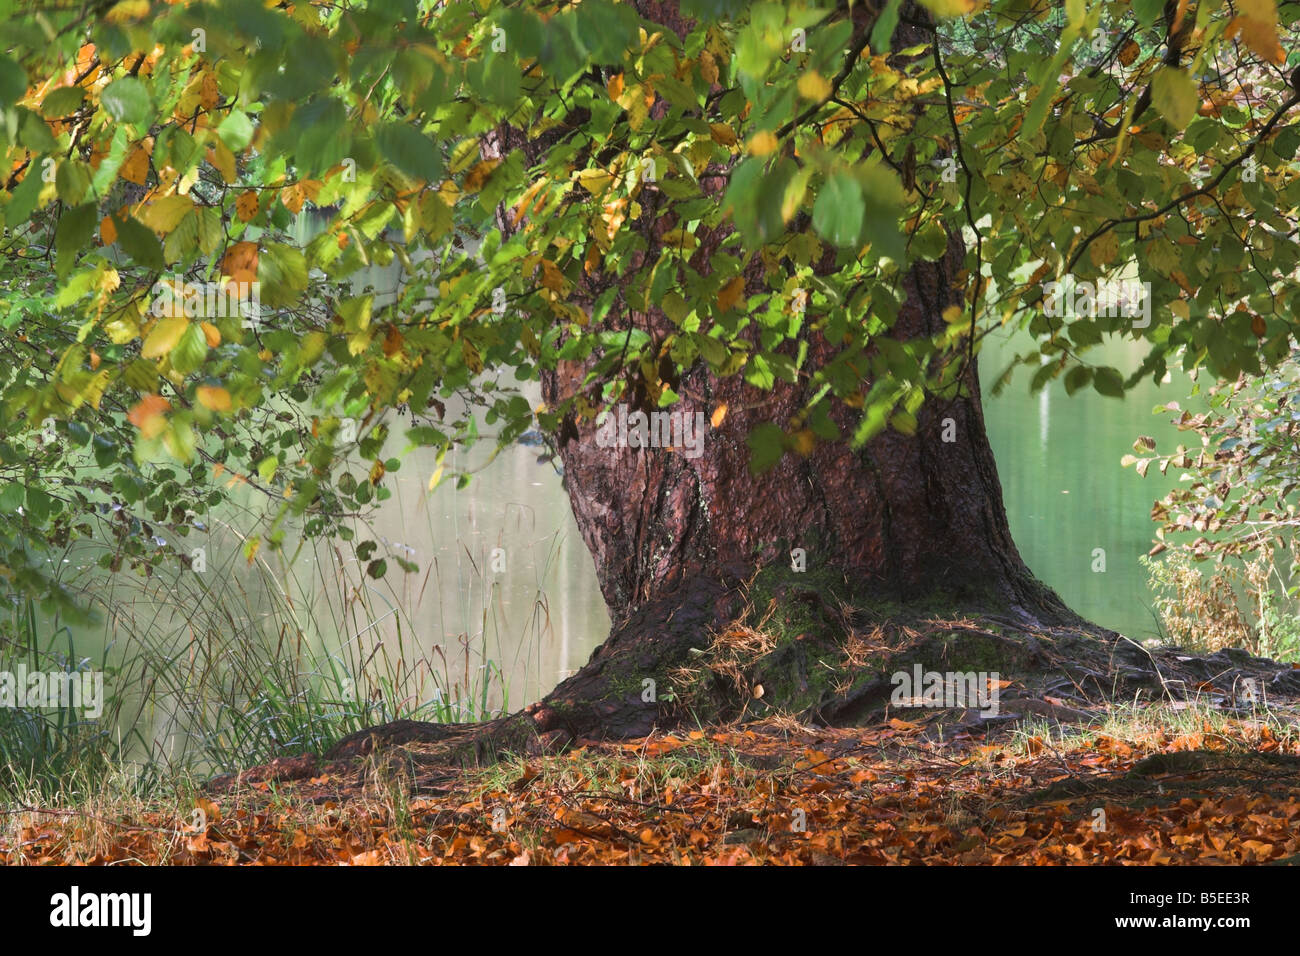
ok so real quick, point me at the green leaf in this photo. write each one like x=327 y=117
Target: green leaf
x=62 y=101
x=13 y=81
x=766 y=446
x=139 y=242
x=409 y=150
x=1147 y=11
x=883 y=31
x=76 y=228
x=190 y=351
x=1108 y=382
x=840 y=210
x=11 y=497
x=127 y=101
x=23 y=201
x=34 y=133
x=282 y=271
x=1175 y=95
x=236 y=130
x=1078 y=377
x=72 y=181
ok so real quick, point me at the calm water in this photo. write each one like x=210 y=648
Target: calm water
x=1066 y=494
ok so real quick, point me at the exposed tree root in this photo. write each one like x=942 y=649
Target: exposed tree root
x=717 y=652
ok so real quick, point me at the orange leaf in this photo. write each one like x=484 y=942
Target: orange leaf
x=240 y=262
x=246 y=205
x=147 y=415
x=477 y=176
x=209 y=95
x=293 y=197
x=393 y=341
x=107 y=231
x=136 y=167
x=731 y=293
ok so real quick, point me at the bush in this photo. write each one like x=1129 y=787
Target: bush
x=1227 y=533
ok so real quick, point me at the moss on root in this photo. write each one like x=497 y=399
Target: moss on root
x=811 y=647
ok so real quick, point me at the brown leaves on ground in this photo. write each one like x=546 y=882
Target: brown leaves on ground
x=767 y=794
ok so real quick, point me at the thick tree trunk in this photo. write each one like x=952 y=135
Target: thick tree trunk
x=905 y=516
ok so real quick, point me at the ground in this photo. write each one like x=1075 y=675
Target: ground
x=1191 y=782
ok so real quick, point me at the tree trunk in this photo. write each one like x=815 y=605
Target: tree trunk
x=904 y=516
x=905 y=519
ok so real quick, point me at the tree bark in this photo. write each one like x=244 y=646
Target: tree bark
x=905 y=516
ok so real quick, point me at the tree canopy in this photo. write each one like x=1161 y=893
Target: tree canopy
x=537 y=167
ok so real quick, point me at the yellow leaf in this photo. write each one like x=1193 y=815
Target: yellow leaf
x=814 y=86
x=166 y=333
x=595 y=181
x=472 y=359
x=209 y=95
x=680 y=239
x=127 y=10
x=437 y=477
x=552 y=277
x=637 y=100
x=708 y=67
x=213 y=397
x=135 y=168
x=377 y=472
x=945 y=9
x=1174 y=93
x=731 y=293
x=220 y=156
x=719 y=414
x=165 y=214
x=722 y=134
x=615 y=86
x=211 y=334
x=1104 y=249
x=1257 y=24
x=763 y=143
x=293 y=197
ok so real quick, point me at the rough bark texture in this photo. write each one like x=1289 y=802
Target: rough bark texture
x=906 y=515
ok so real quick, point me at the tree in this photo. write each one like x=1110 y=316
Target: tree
x=792 y=223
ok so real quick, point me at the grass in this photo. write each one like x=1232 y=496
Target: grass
x=224 y=669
